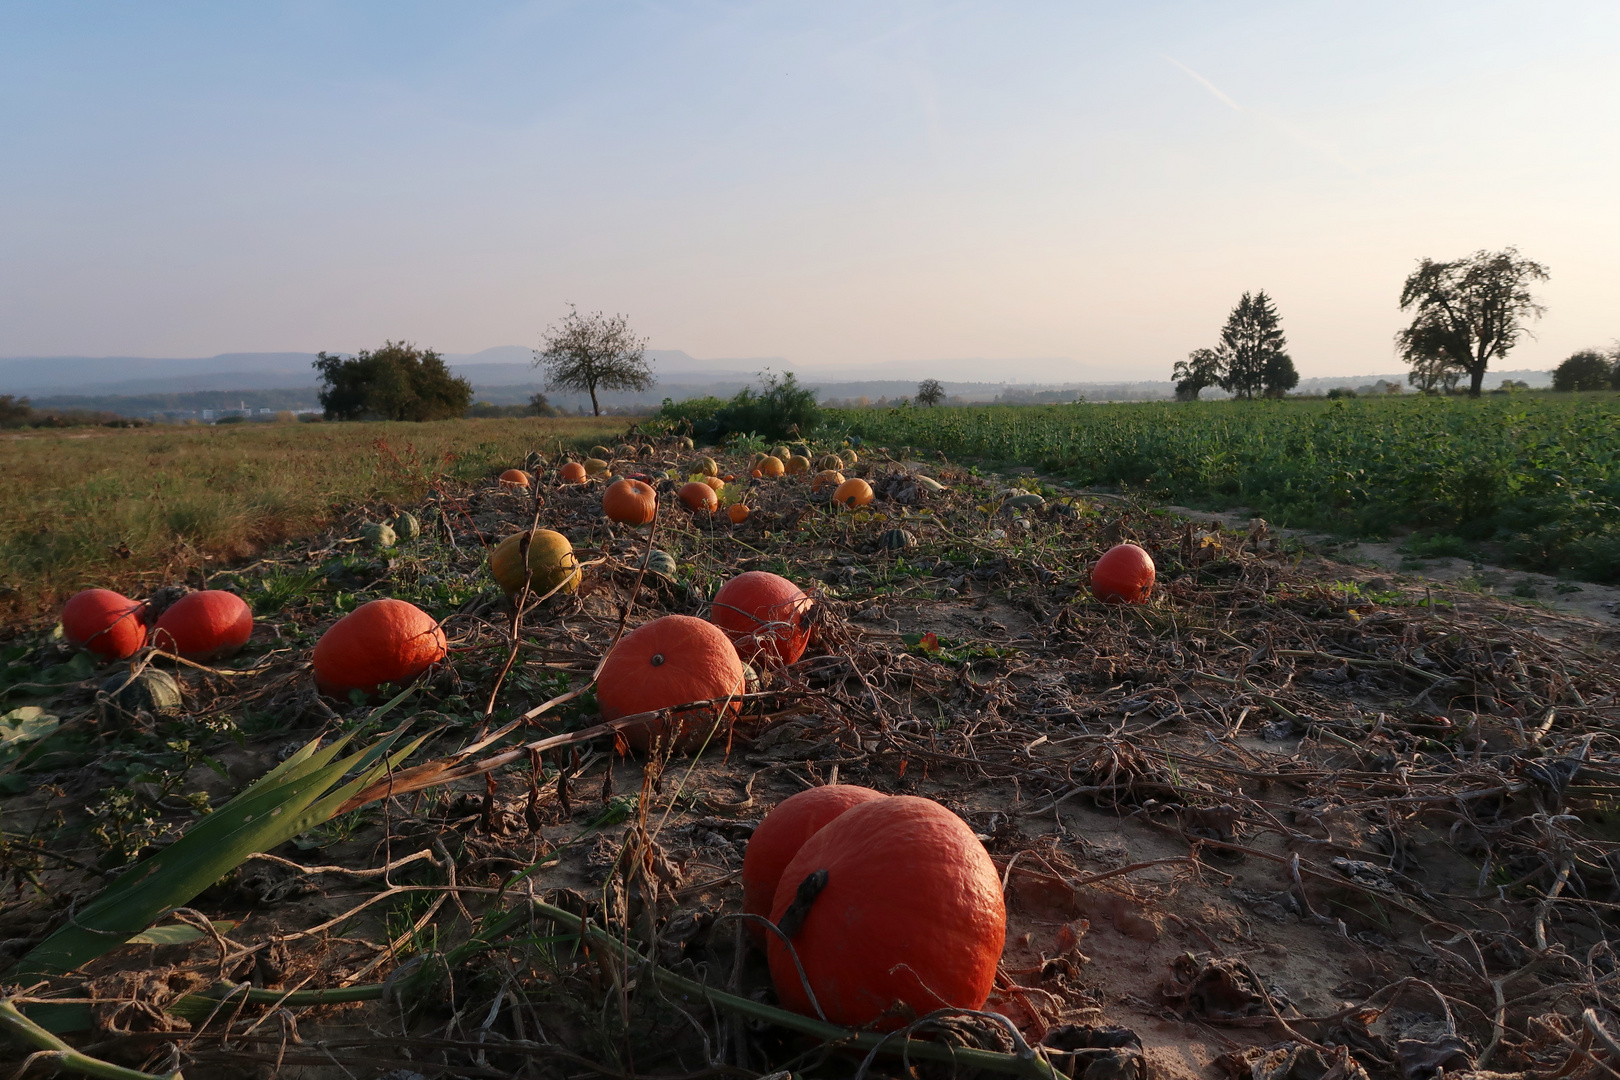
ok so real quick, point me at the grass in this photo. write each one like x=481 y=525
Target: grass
x=123 y=508
x=1533 y=478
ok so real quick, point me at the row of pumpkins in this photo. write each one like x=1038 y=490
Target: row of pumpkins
x=631 y=500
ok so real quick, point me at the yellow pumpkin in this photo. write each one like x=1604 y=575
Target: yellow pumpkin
x=551 y=563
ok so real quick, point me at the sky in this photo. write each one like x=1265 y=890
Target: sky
x=1028 y=190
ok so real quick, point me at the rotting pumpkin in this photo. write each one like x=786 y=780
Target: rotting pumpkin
x=780 y=836
x=765 y=615
x=630 y=502
x=674 y=660
x=895 y=910
x=383 y=641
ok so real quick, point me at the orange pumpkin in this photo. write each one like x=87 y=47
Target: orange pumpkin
x=1124 y=575
x=108 y=625
x=764 y=615
x=630 y=502
x=204 y=626
x=670 y=661
x=737 y=512
x=756 y=474
x=771 y=465
x=910 y=918
x=699 y=496
x=853 y=492
x=826 y=478
x=514 y=478
x=780 y=836
x=717 y=482
x=572 y=473
x=384 y=641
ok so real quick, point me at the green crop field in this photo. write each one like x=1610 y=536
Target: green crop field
x=1532 y=479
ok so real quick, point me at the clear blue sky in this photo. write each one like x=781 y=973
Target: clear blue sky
x=832 y=183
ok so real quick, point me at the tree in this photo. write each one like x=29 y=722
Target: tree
x=396 y=382
x=15 y=410
x=930 y=392
x=1585 y=370
x=1252 y=350
x=585 y=352
x=1468 y=312
x=539 y=406
x=1433 y=372
x=1202 y=369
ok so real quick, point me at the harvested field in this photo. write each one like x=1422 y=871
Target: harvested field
x=1277 y=823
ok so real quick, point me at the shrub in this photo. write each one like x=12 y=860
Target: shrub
x=1585 y=370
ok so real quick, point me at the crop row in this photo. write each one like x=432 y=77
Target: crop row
x=1537 y=478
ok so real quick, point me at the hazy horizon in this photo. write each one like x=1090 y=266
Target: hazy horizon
x=844 y=187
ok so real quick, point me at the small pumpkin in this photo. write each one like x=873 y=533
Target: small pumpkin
x=595 y=466
x=737 y=512
x=909 y=918
x=513 y=479
x=659 y=562
x=685 y=443
x=1027 y=500
x=108 y=625
x=771 y=466
x=705 y=466
x=781 y=453
x=630 y=502
x=383 y=641
x=780 y=836
x=406 y=526
x=601 y=453
x=929 y=482
x=824 y=479
x=552 y=564
x=897 y=540
x=853 y=492
x=797 y=465
x=670 y=661
x=1124 y=575
x=849 y=457
x=717 y=483
x=765 y=615
x=698 y=496
x=572 y=473
x=205 y=626
x=800 y=450
x=152 y=691
x=829 y=463
x=375 y=535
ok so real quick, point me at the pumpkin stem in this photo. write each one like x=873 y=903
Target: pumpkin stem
x=658 y=659
x=792 y=920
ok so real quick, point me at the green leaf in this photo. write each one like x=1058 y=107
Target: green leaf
x=178 y=934
x=294 y=797
x=25 y=725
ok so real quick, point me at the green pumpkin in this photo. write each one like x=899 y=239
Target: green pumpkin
x=1027 y=501
x=152 y=691
x=406 y=526
x=660 y=562
x=377 y=535
x=896 y=540
x=686 y=443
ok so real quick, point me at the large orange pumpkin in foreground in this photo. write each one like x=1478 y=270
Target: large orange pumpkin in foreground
x=910 y=918
x=203 y=626
x=853 y=492
x=764 y=615
x=630 y=502
x=667 y=662
x=1124 y=575
x=514 y=478
x=698 y=496
x=384 y=641
x=572 y=473
x=106 y=624
x=780 y=836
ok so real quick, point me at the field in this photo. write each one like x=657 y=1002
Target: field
x=1287 y=820
x=1530 y=479
x=126 y=508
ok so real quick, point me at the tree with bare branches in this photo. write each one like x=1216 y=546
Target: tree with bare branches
x=587 y=352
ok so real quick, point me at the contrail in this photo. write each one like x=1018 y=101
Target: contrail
x=1206 y=84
